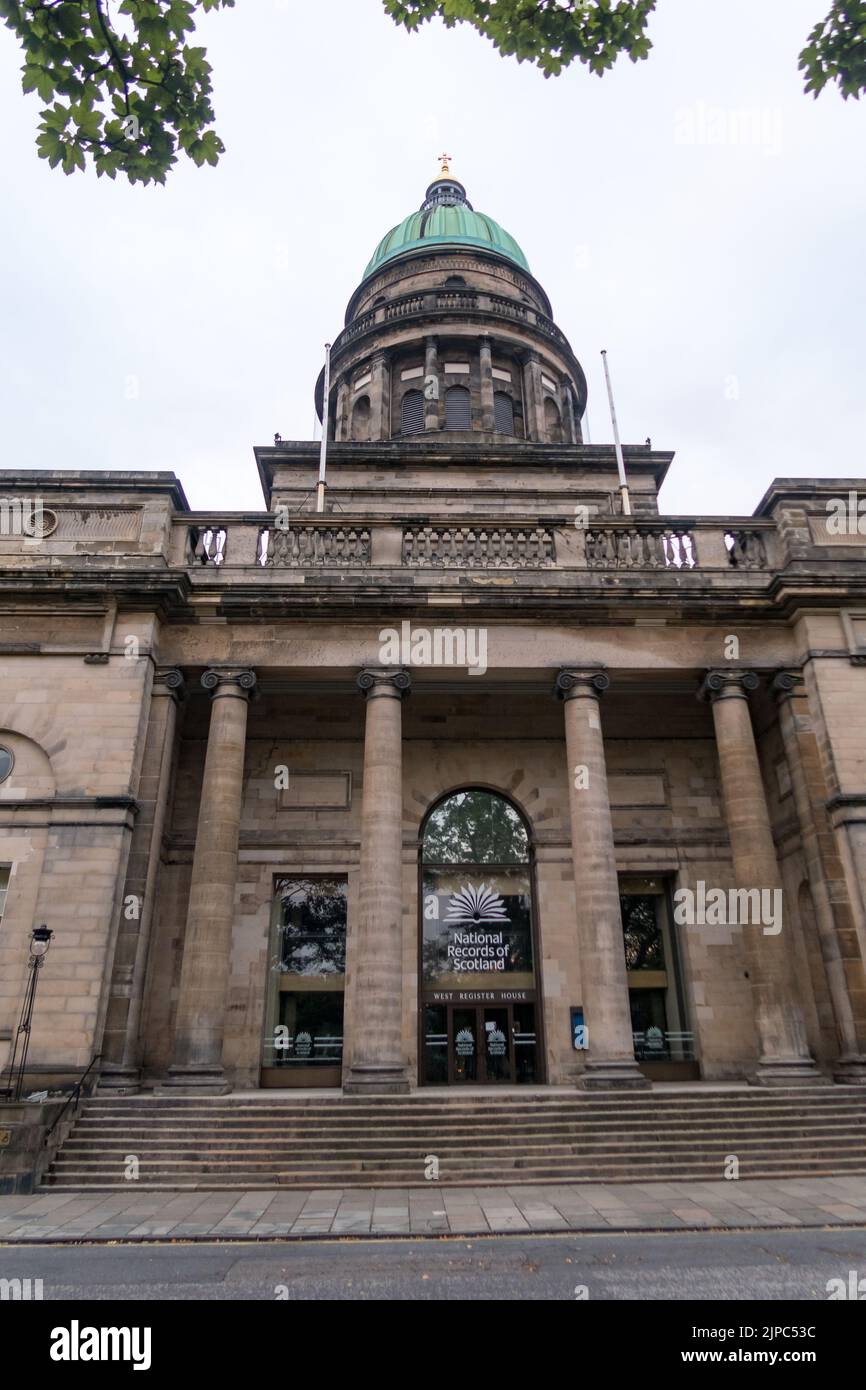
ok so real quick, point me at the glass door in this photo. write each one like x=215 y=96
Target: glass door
x=464 y=1045
x=497 y=1043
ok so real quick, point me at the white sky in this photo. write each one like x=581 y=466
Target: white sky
x=726 y=280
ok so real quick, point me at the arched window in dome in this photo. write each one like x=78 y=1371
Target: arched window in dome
x=458 y=408
x=552 y=421
x=361 y=419
x=503 y=412
x=412 y=413
x=454 y=282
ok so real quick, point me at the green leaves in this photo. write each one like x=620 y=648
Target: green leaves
x=836 y=51
x=550 y=34
x=553 y=33
x=125 y=102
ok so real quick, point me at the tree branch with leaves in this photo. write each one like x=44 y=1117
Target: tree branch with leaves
x=127 y=93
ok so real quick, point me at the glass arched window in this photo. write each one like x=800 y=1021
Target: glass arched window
x=503 y=412
x=477 y=968
x=361 y=419
x=412 y=412
x=458 y=408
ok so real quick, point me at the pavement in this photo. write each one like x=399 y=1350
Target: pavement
x=661 y=1267
x=57 y=1216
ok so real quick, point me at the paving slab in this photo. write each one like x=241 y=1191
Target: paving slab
x=347 y=1212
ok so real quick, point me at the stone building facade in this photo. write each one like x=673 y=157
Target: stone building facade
x=471 y=778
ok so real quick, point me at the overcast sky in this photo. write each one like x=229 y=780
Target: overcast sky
x=696 y=214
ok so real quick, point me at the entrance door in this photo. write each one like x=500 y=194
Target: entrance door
x=479 y=1045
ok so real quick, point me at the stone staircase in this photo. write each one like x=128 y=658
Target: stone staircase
x=254 y=1141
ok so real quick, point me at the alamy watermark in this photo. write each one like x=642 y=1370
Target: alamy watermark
x=735 y=907
x=739 y=127
x=434 y=646
x=846 y=516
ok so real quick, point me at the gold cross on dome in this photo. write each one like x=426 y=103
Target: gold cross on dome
x=446 y=158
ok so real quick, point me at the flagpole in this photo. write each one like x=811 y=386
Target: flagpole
x=620 y=461
x=323 y=452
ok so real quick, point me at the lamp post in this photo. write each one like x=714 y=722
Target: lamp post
x=40 y=940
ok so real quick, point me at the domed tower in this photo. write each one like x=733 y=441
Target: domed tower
x=449 y=335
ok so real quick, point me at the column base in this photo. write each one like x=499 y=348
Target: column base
x=194 y=1081
x=788 y=1071
x=125 y=1081
x=850 y=1070
x=376 y=1081
x=613 y=1076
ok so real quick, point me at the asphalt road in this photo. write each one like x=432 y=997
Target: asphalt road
x=738 y=1265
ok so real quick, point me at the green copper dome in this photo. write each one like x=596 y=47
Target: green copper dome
x=446 y=218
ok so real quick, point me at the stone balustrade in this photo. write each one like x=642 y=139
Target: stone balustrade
x=478 y=547
x=464 y=301
x=466 y=543
x=311 y=547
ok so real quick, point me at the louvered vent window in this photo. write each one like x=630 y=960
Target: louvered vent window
x=503 y=413
x=458 y=414
x=413 y=412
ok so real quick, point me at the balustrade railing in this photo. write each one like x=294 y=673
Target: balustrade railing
x=478 y=547
x=608 y=543
x=640 y=547
x=310 y=547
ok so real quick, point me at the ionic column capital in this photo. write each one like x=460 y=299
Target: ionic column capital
x=573 y=684
x=727 y=685
x=375 y=682
x=169 y=681
x=235 y=681
x=786 y=684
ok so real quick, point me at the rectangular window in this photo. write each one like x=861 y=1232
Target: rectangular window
x=457 y=367
x=4 y=884
x=303 y=1042
x=411 y=373
x=548 y=384
x=500 y=375
x=657 y=1014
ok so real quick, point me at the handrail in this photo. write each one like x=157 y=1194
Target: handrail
x=74 y=1094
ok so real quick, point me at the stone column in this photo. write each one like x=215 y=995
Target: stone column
x=533 y=398
x=488 y=415
x=610 y=1057
x=378 y=1063
x=121 y=1043
x=432 y=386
x=837 y=929
x=784 y=1053
x=342 y=420
x=571 y=422
x=201 y=1005
x=380 y=397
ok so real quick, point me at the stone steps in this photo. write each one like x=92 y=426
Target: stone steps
x=333 y=1141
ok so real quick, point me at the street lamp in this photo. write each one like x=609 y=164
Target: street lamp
x=40 y=940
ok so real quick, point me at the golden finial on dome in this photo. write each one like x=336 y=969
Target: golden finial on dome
x=445 y=171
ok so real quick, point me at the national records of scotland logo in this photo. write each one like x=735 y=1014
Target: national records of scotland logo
x=474 y=906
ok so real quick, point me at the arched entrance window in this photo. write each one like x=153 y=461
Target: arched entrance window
x=479 y=1005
